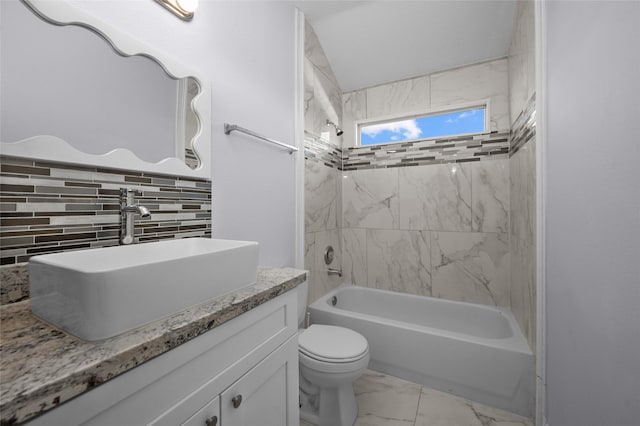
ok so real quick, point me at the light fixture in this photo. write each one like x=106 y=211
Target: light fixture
x=183 y=9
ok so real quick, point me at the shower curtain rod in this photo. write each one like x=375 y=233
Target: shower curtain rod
x=228 y=128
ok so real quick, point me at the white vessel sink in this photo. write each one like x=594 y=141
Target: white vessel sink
x=99 y=293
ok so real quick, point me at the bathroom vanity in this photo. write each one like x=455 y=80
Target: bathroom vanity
x=230 y=361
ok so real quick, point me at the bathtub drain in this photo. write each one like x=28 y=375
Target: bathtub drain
x=334 y=300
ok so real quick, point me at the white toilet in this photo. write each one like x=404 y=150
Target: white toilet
x=330 y=358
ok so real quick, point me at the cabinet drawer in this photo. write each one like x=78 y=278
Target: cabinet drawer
x=209 y=415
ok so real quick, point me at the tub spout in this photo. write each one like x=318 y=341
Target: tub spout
x=332 y=271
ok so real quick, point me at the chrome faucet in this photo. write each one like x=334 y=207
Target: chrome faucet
x=128 y=211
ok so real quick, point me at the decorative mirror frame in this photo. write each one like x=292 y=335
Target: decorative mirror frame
x=51 y=148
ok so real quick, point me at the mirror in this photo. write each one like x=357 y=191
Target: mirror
x=120 y=104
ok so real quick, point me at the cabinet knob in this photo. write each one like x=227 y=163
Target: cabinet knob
x=236 y=401
x=211 y=421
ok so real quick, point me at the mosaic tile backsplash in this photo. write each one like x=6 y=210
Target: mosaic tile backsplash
x=48 y=207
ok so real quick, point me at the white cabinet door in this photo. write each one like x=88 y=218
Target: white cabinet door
x=209 y=415
x=267 y=394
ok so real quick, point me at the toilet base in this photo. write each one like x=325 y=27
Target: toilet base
x=336 y=407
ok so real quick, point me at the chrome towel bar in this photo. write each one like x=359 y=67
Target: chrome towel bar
x=228 y=128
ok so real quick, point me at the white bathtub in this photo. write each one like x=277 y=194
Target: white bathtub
x=474 y=351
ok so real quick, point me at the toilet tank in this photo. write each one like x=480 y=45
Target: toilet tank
x=303 y=292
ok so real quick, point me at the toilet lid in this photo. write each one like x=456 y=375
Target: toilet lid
x=332 y=344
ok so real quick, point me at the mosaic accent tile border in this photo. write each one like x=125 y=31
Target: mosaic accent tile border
x=317 y=149
x=433 y=151
x=524 y=128
x=48 y=207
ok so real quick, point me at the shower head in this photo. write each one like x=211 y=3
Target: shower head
x=339 y=131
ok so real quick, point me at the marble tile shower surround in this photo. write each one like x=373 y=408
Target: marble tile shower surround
x=522 y=233
x=323 y=217
x=465 y=266
x=524 y=127
x=522 y=61
x=323 y=166
x=322 y=94
x=399 y=261
x=321 y=209
x=471 y=267
x=435 y=230
x=449 y=88
x=453 y=87
x=410 y=216
x=322 y=151
x=444 y=197
x=522 y=169
x=48 y=207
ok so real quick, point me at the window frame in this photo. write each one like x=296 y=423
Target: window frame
x=445 y=109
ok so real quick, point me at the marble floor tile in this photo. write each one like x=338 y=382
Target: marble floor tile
x=385 y=400
x=371 y=420
x=442 y=409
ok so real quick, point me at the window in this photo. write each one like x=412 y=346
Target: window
x=427 y=126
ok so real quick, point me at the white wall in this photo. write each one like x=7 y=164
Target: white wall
x=247 y=49
x=593 y=213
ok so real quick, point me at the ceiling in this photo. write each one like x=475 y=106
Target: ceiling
x=374 y=42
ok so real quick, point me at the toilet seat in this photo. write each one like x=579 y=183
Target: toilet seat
x=331 y=344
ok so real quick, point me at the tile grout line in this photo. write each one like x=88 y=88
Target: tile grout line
x=415 y=418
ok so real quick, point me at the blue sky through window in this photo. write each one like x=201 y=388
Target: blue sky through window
x=436 y=125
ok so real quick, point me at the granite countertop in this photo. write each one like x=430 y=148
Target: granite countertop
x=42 y=367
